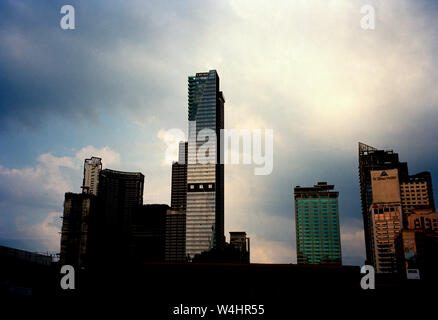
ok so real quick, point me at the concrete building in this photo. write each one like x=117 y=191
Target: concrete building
x=386 y=223
x=317 y=224
x=386 y=217
x=205 y=180
x=92 y=168
x=78 y=210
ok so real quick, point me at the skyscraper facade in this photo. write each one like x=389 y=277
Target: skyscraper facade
x=92 y=167
x=317 y=225
x=371 y=158
x=205 y=181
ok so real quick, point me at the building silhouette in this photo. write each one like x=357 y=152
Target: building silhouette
x=317 y=225
x=119 y=193
x=175 y=236
x=148 y=233
x=241 y=243
x=205 y=181
x=79 y=208
x=179 y=180
x=92 y=168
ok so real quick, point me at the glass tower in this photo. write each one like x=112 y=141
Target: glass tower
x=205 y=181
x=317 y=225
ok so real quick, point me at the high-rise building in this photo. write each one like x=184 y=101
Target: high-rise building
x=92 y=167
x=119 y=193
x=370 y=159
x=175 y=238
x=179 y=180
x=78 y=209
x=317 y=224
x=386 y=218
x=205 y=179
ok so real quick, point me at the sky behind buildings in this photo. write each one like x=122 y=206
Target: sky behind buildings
x=115 y=84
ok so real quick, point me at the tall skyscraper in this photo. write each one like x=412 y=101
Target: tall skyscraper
x=317 y=224
x=92 y=167
x=179 y=180
x=371 y=158
x=205 y=181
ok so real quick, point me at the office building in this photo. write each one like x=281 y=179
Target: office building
x=317 y=224
x=386 y=217
x=205 y=179
x=78 y=210
x=371 y=158
x=386 y=223
x=175 y=237
x=416 y=193
x=179 y=180
x=92 y=167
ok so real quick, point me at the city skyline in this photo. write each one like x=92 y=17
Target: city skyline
x=318 y=112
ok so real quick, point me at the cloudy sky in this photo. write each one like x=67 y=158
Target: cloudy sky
x=115 y=84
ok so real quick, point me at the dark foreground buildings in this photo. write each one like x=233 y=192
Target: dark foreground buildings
x=97 y=228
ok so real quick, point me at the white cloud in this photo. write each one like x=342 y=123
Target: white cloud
x=45 y=233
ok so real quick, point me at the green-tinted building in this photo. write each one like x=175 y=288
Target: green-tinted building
x=317 y=224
